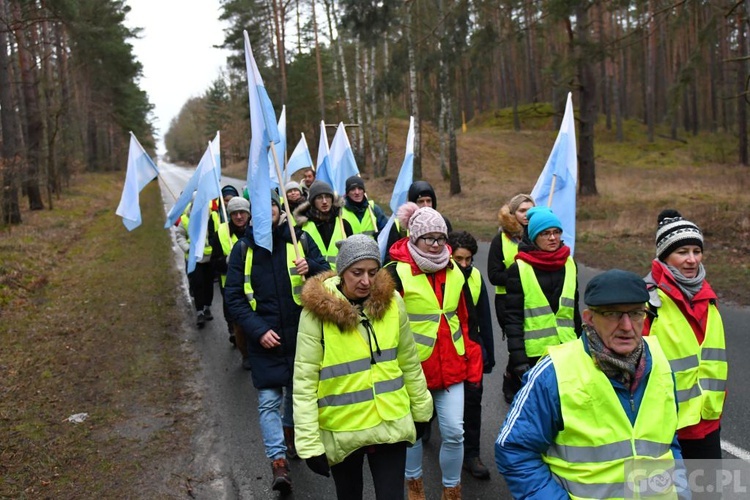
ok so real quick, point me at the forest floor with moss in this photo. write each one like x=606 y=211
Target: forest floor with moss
x=91 y=318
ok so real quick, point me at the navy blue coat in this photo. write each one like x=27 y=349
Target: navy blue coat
x=275 y=307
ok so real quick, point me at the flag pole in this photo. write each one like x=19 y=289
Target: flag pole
x=216 y=178
x=552 y=190
x=158 y=174
x=288 y=219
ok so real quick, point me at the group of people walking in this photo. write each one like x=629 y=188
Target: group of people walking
x=353 y=356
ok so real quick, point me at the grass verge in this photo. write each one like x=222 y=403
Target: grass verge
x=89 y=323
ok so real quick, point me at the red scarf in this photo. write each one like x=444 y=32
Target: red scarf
x=546 y=261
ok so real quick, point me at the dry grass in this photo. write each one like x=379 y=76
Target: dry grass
x=635 y=179
x=88 y=325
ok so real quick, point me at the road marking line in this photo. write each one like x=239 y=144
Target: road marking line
x=735 y=450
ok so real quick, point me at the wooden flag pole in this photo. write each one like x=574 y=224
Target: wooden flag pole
x=552 y=190
x=288 y=219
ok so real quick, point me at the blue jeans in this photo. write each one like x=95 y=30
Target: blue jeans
x=449 y=405
x=272 y=422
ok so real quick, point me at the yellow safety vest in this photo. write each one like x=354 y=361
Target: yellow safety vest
x=700 y=370
x=185 y=222
x=354 y=393
x=510 y=249
x=295 y=279
x=227 y=241
x=424 y=310
x=332 y=250
x=541 y=327
x=475 y=284
x=366 y=225
x=591 y=455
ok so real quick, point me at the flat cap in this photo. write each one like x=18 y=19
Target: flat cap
x=615 y=287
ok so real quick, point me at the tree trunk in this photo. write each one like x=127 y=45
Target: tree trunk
x=742 y=91
x=358 y=145
x=321 y=95
x=588 y=111
x=279 y=21
x=358 y=77
x=33 y=116
x=651 y=73
x=413 y=89
x=530 y=63
x=11 y=212
x=327 y=5
x=383 y=160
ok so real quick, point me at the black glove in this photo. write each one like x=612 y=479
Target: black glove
x=319 y=465
x=421 y=428
x=519 y=370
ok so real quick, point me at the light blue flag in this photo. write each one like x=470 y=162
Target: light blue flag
x=141 y=170
x=187 y=193
x=300 y=158
x=556 y=186
x=323 y=169
x=342 y=160
x=401 y=189
x=264 y=130
x=280 y=148
x=208 y=189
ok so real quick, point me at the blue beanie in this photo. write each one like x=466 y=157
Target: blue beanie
x=541 y=219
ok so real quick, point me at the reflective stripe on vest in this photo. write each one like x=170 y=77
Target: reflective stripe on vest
x=295 y=280
x=227 y=241
x=353 y=393
x=590 y=456
x=475 y=284
x=364 y=226
x=510 y=249
x=700 y=370
x=425 y=312
x=330 y=252
x=541 y=327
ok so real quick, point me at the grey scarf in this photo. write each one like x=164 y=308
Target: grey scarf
x=614 y=366
x=689 y=286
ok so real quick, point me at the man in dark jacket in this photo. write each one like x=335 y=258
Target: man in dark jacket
x=263 y=294
x=363 y=214
x=423 y=194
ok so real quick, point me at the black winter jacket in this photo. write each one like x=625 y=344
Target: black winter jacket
x=275 y=307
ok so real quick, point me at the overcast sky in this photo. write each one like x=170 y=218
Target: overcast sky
x=176 y=50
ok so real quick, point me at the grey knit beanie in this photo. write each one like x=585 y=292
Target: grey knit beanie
x=354 y=249
x=238 y=204
x=318 y=188
x=292 y=185
x=673 y=232
x=516 y=201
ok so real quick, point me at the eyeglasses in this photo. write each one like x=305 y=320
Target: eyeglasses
x=440 y=240
x=550 y=232
x=616 y=316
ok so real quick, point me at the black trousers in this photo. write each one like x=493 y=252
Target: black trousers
x=387 y=463
x=472 y=419
x=201 y=282
x=707 y=468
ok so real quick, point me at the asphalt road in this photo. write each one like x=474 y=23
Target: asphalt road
x=230 y=446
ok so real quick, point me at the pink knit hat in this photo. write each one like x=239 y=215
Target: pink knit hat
x=421 y=221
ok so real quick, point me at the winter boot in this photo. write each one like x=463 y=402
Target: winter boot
x=200 y=319
x=207 y=313
x=453 y=493
x=415 y=489
x=291 y=451
x=476 y=468
x=281 y=480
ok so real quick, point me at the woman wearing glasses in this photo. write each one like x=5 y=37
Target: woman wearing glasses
x=432 y=287
x=541 y=305
x=689 y=327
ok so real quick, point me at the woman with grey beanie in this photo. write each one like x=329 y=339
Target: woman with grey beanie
x=359 y=390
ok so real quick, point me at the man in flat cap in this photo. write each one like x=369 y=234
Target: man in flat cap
x=597 y=417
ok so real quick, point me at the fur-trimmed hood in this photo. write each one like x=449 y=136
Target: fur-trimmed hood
x=323 y=299
x=509 y=224
x=301 y=212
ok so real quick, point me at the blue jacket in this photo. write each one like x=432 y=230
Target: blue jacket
x=532 y=423
x=275 y=307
